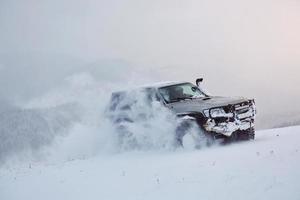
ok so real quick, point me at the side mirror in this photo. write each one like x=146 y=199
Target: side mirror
x=194 y=89
x=198 y=81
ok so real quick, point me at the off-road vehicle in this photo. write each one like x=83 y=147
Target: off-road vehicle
x=225 y=118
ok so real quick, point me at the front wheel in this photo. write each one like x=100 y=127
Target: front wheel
x=190 y=135
x=248 y=134
x=241 y=135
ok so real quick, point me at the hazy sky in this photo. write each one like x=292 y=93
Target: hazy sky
x=241 y=47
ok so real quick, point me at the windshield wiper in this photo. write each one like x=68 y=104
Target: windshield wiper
x=206 y=98
x=179 y=99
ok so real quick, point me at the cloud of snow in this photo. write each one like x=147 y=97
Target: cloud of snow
x=73 y=121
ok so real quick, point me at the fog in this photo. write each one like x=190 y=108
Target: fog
x=241 y=48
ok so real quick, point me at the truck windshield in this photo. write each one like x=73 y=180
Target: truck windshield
x=179 y=92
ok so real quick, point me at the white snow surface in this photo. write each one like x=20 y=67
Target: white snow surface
x=266 y=168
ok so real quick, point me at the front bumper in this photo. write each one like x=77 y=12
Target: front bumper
x=243 y=116
x=227 y=128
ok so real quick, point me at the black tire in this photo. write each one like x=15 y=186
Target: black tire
x=233 y=138
x=241 y=135
x=181 y=130
x=200 y=139
x=248 y=134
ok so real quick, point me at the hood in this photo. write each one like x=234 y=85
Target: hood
x=200 y=104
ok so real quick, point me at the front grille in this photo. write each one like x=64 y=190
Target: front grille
x=243 y=111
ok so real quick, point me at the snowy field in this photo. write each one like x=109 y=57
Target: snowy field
x=61 y=60
x=267 y=168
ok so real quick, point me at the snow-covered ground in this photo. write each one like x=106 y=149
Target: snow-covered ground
x=267 y=168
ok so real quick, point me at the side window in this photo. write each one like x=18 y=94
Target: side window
x=151 y=95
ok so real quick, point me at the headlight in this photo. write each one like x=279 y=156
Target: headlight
x=253 y=106
x=217 y=112
x=206 y=112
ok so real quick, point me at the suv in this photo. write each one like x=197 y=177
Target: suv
x=226 y=118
